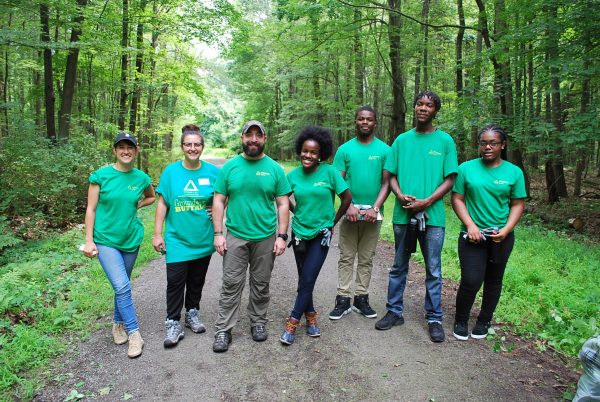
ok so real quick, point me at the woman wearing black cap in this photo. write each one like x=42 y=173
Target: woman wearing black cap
x=114 y=233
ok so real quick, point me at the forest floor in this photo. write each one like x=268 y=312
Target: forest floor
x=350 y=361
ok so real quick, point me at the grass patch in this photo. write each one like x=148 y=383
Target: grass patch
x=48 y=289
x=551 y=284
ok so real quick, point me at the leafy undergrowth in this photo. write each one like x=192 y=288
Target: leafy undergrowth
x=551 y=284
x=48 y=288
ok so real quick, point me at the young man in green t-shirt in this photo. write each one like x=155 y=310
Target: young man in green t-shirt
x=422 y=164
x=250 y=185
x=360 y=161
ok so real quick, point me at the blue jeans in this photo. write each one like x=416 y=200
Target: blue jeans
x=310 y=256
x=117 y=266
x=431 y=242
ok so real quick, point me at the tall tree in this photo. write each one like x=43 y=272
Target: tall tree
x=49 y=96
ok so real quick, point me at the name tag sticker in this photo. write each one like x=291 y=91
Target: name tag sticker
x=204 y=182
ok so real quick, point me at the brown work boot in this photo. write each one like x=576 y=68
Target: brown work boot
x=289 y=333
x=119 y=334
x=312 y=329
x=136 y=344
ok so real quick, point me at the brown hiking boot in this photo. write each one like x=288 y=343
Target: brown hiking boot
x=289 y=333
x=312 y=329
x=119 y=334
x=136 y=344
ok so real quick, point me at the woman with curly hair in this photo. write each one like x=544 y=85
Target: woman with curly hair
x=314 y=186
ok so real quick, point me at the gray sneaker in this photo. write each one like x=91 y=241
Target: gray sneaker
x=192 y=321
x=174 y=333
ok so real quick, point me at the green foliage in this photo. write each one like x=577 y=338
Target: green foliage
x=48 y=292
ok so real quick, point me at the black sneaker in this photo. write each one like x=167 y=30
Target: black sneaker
x=436 y=331
x=259 y=333
x=361 y=305
x=222 y=341
x=461 y=330
x=388 y=321
x=342 y=307
x=480 y=330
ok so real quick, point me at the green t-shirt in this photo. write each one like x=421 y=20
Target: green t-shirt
x=422 y=162
x=187 y=193
x=488 y=191
x=251 y=187
x=117 y=224
x=314 y=194
x=363 y=165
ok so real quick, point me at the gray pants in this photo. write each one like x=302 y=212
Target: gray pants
x=356 y=238
x=260 y=257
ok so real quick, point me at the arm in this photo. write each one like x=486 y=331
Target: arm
x=419 y=205
x=516 y=210
x=292 y=204
x=218 y=207
x=460 y=209
x=384 y=191
x=159 y=219
x=149 y=197
x=346 y=198
x=90 y=249
x=352 y=211
x=283 y=220
x=395 y=188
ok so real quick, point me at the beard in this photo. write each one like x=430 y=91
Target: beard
x=256 y=151
x=363 y=134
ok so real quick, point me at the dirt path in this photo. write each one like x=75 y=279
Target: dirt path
x=350 y=361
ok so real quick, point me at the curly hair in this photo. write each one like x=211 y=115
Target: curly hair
x=366 y=108
x=431 y=95
x=500 y=131
x=319 y=134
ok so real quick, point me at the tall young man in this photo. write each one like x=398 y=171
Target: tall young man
x=422 y=164
x=250 y=184
x=360 y=161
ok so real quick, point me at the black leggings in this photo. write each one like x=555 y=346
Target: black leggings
x=482 y=263
x=188 y=277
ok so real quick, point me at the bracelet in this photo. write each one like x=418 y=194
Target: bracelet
x=218 y=233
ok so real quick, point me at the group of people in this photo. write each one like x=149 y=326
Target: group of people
x=254 y=195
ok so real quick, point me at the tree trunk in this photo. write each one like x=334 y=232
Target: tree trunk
x=124 y=66
x=359 y=67
x=586 y=97
x=66 y=104
x=49 y=98
x=397 y=125
x=139 y=65
x=422 y=58
x=463 y=139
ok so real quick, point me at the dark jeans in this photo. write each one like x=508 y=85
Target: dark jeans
x=310 y=256
x=188 y=277
x=482 y=263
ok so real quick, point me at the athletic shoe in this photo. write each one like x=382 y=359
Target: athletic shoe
x=222 y=341
x=174 y=333
x=119 y=334
x=388 y=321
x=192 y=321
x=342 y=307
x=480 y=330
x=461 y=330
x=136 y=344
x=361 y=305
x=436 y=331
x=259 y=333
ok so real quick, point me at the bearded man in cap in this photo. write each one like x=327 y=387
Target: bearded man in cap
x=255 y=190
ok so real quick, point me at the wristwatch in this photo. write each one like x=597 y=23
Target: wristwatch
x=376 y=209
x=283 y=236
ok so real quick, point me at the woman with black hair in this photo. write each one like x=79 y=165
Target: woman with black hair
x=488 y=199
x=314 y=185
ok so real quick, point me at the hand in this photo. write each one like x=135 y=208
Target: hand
x=500 y=236
x=405 y=199
x=220 y=244
x=416 y=205
x=158 y=243
x=352 y=213
x=474 y=234
x=279 y=247
x=90 y=249
x=370 y=215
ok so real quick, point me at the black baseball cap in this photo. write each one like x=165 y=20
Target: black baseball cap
x=123 y=136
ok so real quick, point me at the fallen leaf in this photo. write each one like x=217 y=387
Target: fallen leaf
x=104 y=391
x=127 y=396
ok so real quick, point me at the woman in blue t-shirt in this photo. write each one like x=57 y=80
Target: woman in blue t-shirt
x=185 y=195
x=488 y=198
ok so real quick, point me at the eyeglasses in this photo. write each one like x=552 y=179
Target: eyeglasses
x=193 y=144
x=493 y=144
